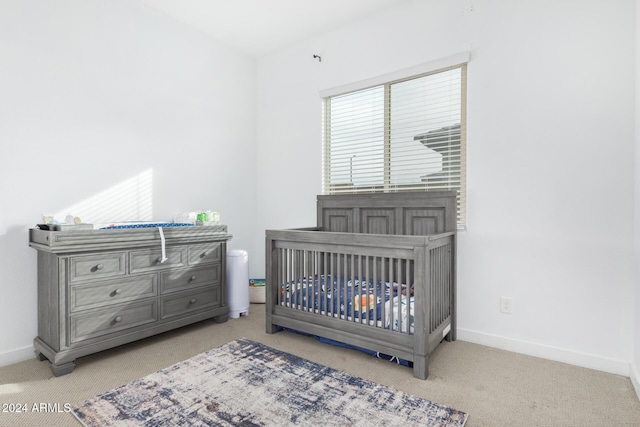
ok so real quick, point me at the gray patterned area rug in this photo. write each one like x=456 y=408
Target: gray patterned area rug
x=245 y=383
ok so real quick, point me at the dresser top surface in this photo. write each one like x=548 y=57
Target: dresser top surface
x=79 y=240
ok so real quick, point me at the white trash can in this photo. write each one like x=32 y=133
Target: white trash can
x=238 y=283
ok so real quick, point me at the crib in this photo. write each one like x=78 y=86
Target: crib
x=378 y=272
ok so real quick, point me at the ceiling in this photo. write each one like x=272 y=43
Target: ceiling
x=259 y=27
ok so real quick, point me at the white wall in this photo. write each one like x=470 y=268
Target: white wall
x=101 y=98
x=550 y=159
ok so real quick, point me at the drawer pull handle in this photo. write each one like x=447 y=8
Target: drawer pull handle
x=99 y=267
x=193 y=277
x=204 y=254
x=118 y=291
x=117 y=319
x=159 y=260
x=193 y=301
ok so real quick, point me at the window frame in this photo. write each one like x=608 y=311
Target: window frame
x=386 y=81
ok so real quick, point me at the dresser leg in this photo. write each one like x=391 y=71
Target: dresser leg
x=64 y=369
x=221 y=319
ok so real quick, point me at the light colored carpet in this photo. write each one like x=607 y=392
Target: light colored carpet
x=247 y=383
x=495 y=387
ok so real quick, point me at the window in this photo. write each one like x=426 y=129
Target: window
x=404 y=134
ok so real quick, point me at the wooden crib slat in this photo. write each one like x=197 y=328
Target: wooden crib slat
x=391 y=279
x=400 y=282
x=342 y=284
x=365 y=291
x=440 y=286
x=299 y=279
x=282 y=279
x=445 y=290
x=325 y=282
x=376 y=291
x=434 y=289
x=305 y=280
x=316 y=280
x=290 y=277
x=351 y=304
x=384 y=280
x=407 y=282
x=311 y=259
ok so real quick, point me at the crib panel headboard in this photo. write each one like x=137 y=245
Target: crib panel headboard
x=409 y=213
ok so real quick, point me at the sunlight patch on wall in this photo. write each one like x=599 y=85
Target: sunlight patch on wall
x=130 y=200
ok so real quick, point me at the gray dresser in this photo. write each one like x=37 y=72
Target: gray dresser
x=99 y=289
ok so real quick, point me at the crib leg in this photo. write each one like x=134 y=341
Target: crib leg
x=421 y=367
x=451 y=336
x=271 y=328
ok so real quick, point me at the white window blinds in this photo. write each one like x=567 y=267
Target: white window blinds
x=402 y=135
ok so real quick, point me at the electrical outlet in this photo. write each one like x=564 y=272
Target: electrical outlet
x=506 y=305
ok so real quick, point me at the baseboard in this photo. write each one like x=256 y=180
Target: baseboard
x=635 y=379
x=17 y=355
x=575 y=358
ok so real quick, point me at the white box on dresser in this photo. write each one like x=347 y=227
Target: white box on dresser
x=98 y=289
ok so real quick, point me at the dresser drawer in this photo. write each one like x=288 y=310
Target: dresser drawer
x=102 y=322
x=180 y=280
x=150 y=259
x=98 y=294
x=186 y=302
x=206 y=253
x=89 y=267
